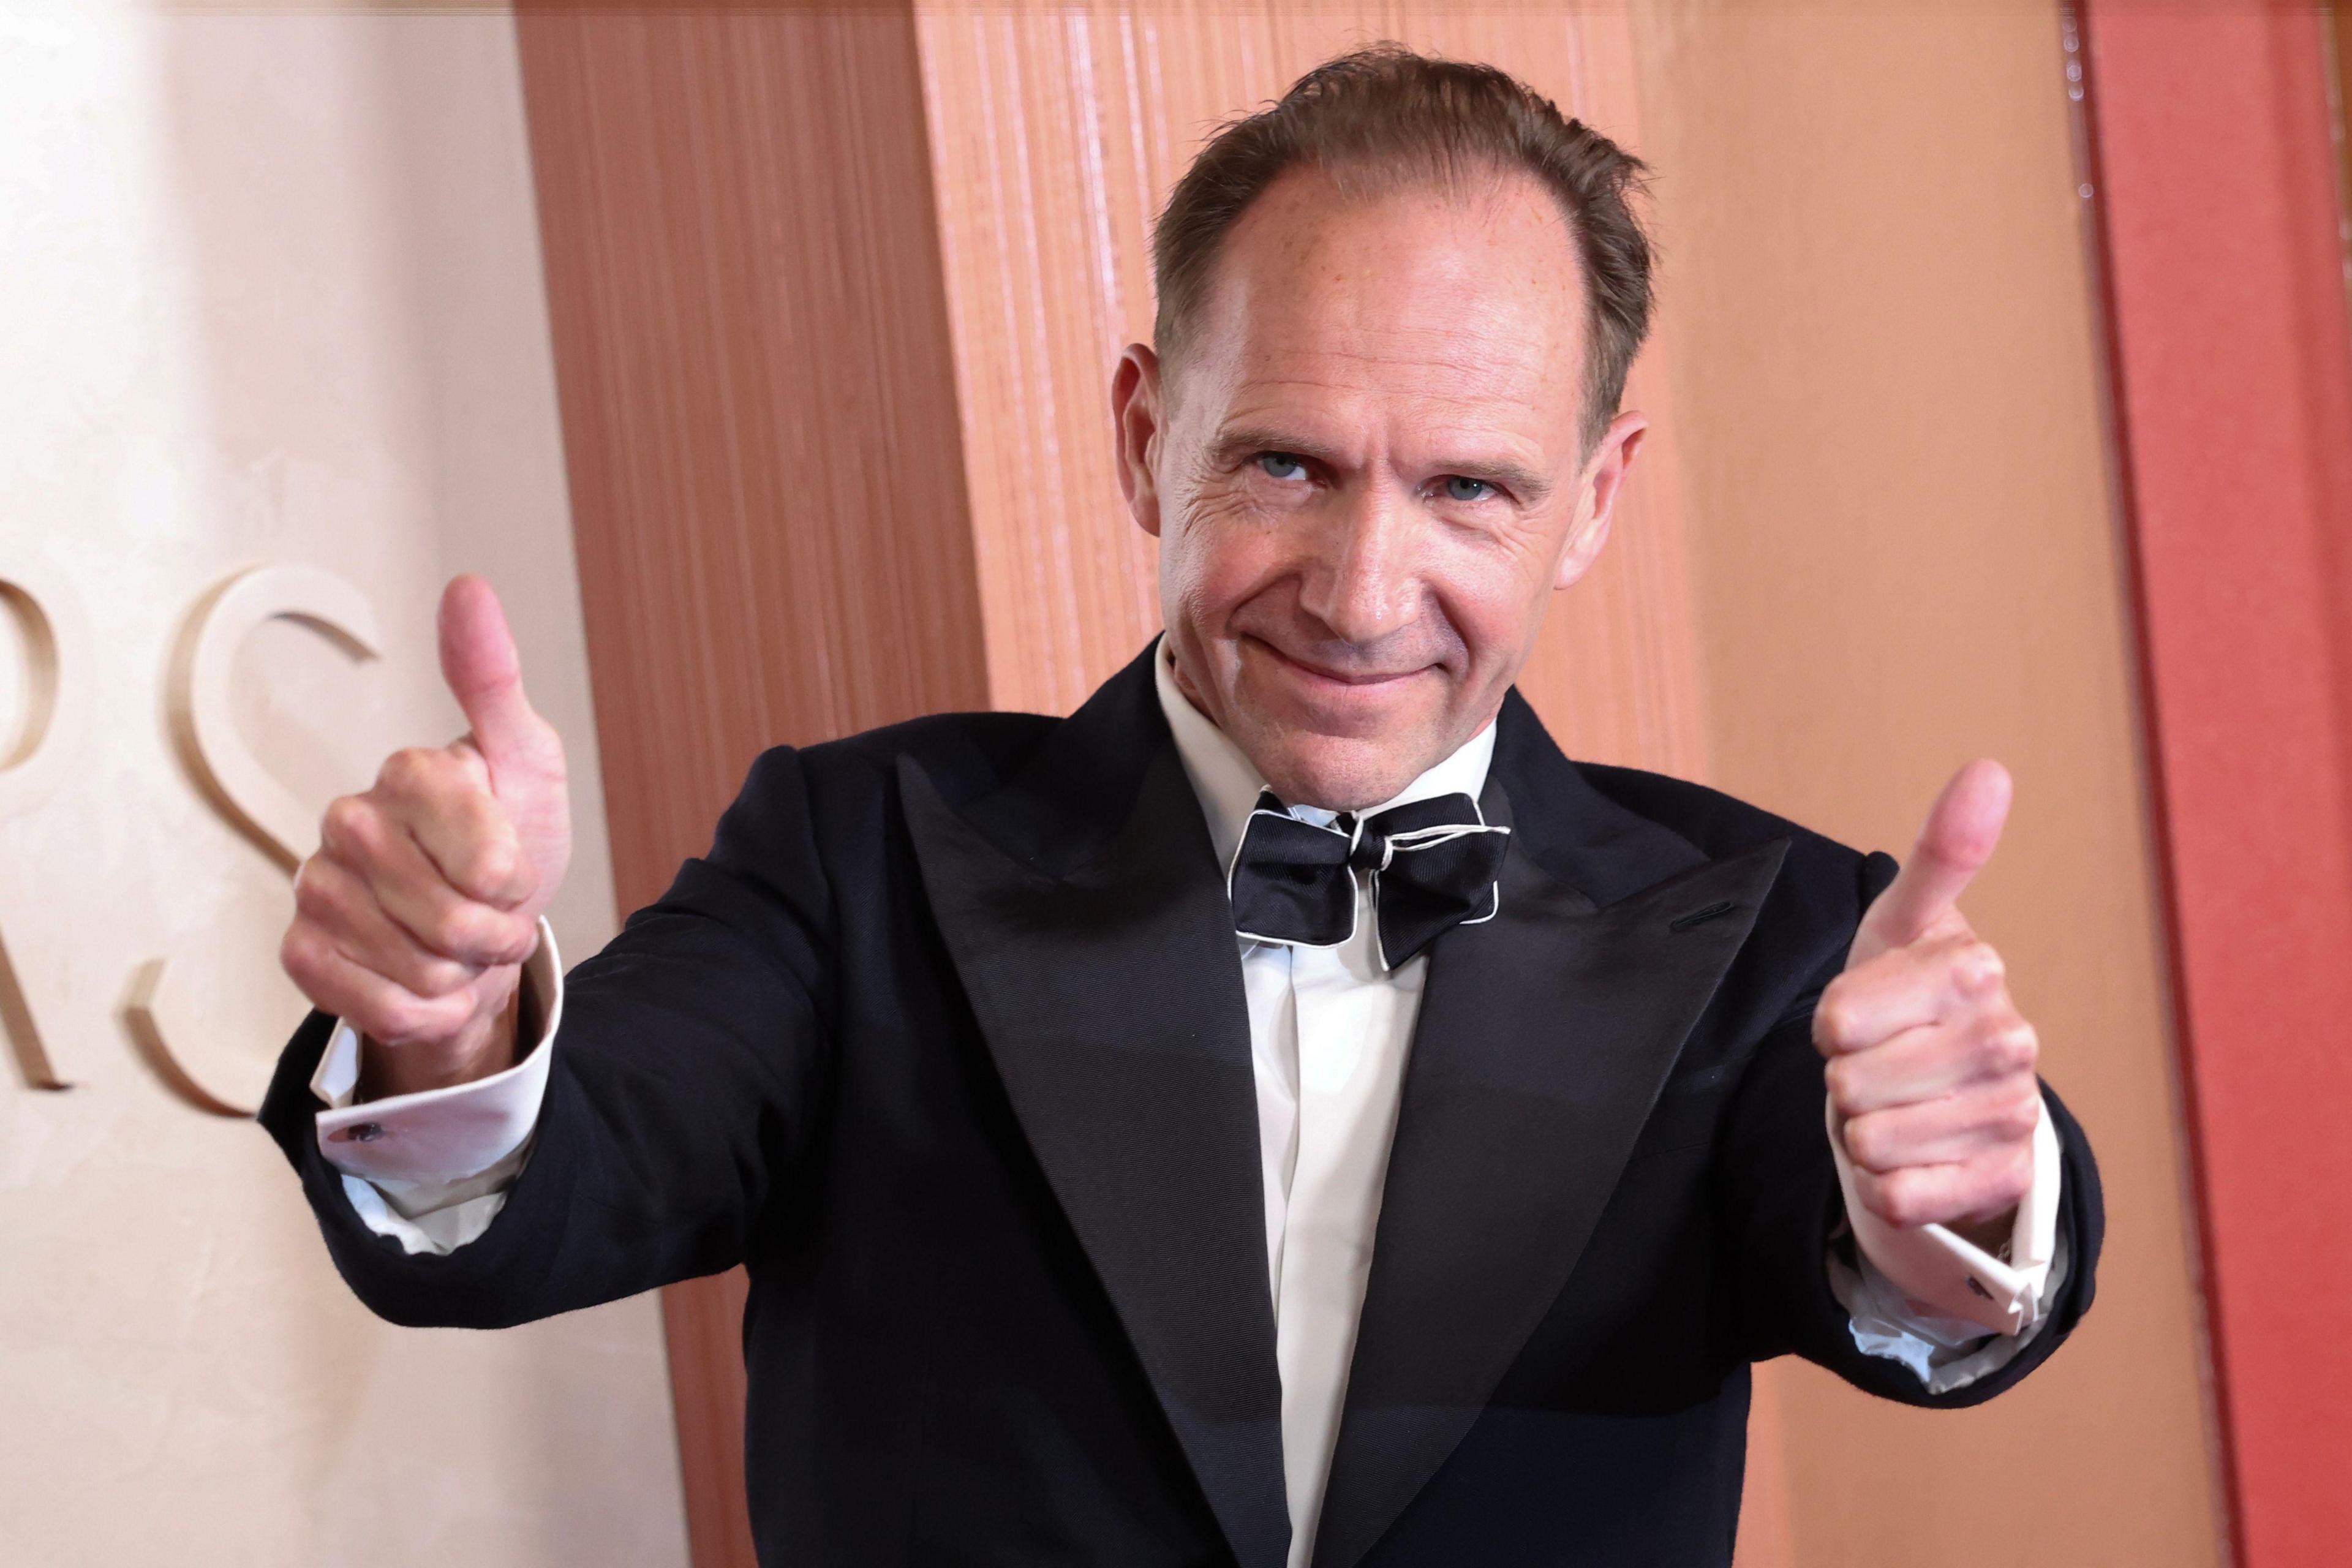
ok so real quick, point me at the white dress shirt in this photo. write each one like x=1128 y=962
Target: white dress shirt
x=1330 y=1030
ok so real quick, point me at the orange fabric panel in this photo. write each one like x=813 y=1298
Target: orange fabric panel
x=759 y=426
x=1900 y=522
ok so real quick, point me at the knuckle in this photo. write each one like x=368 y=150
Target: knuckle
x=487 y=933
x=2014 y=1049
x=1878 y=1196
x=297 y=954
x=464 y=761
x=414 y=773
x=348 y=825
x=1905 y=1199
x=443 y=977
x=470 y=932
x=525 y=879
x=490 y=862
x=404 y=770
x=1844 y=1093
x=1978 y=968
x=522 y=939
x=1834 y=1022
x=1868 y=1192
x=1867 y=1140
x=313 y=900
x=449 y=930
x=2020 y=1116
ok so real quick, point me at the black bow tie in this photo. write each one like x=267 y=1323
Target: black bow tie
x=1435 y=864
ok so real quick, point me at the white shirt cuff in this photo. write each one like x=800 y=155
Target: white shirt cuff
x=1947 y=1309
x=430 y=1169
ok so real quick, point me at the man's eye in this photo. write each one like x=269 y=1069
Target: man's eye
x=1458 y=488
x=1282 y=466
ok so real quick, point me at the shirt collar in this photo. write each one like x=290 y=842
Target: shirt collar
x=1228 y=785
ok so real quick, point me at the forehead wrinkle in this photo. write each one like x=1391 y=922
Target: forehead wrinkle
x=1440 y=384
x=1252 y=384
x=1514 y=361
x=1386 y=337
x=1310 y=317
x=1302 y=366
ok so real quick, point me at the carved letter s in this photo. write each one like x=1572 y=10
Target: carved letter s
x=245 y=791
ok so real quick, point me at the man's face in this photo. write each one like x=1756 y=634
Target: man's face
x=1366 y=474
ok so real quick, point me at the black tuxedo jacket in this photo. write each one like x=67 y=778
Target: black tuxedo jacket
x=945 y=1040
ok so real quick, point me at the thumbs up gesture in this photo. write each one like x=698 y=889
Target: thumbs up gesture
x=1931 y=1069
x=413 y=919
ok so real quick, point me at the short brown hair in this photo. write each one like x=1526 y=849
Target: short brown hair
x=1386 y=113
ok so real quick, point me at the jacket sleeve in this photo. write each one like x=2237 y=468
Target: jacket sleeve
x=1783 y=1211
x=694 y=1048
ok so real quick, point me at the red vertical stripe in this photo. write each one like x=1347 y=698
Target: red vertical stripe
x=2214 y=176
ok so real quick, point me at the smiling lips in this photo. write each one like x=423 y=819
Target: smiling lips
x=1356 y=679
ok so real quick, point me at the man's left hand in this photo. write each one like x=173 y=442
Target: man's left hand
x=1931 y=1068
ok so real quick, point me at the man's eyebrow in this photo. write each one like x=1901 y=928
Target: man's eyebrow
x=1246 y=440
x=1243 y=441
x=1522 y=481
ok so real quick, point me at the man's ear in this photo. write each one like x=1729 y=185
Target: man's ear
x=1137 y=414
x=1596 y=497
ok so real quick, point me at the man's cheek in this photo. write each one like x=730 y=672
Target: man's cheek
x=1189 y=565
x=1488 y=614
x=1226 y=569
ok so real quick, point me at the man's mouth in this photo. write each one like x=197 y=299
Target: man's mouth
x=1316 y=671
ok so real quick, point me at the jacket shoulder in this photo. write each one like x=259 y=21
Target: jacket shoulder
x=1823 y=886
x=967 y=755
x=1712 y=821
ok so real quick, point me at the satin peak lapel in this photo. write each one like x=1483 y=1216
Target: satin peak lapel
x=1541 y=1044
x=1111 y=999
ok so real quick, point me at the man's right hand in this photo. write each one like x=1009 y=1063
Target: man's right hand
x=413 y=919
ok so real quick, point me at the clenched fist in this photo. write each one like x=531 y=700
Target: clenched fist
x=413 y=919
x=1931 y=1069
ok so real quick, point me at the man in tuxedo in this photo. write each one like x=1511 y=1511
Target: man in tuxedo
x=1285 y=1112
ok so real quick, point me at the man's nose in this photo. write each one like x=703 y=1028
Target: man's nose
x=1361 y=583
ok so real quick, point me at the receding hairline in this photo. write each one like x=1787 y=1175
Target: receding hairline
x=1366 y=183
x=1384 y=115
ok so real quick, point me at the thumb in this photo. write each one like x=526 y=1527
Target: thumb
x=485 y=675
x=1962 y=827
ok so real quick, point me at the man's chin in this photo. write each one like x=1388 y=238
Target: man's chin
x=1340 y=773
x=1301 y=696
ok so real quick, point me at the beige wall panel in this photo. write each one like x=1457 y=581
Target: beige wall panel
x=1056 y=134
x=273 y=297
x=1904 y=556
